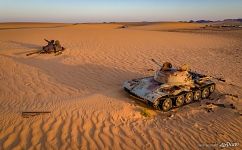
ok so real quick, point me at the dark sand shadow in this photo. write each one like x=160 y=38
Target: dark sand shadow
x=27 y=46
x=92 y=78
x=23 y=45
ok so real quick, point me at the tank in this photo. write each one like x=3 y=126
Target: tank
x=170 y=87
x=53 y=46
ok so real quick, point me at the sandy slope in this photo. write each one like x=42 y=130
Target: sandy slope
x=83 y=89
x=167 y=26
x=19 y=25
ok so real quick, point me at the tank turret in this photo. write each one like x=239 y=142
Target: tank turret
x=173 y=76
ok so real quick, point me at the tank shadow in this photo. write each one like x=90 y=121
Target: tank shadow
x=92 y=78
x=25 y=45
x=28 y=46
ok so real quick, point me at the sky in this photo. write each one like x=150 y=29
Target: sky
x=117 y=10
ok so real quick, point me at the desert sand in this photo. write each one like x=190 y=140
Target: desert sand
x=82 y=88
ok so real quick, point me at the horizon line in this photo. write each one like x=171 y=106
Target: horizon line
x=119 y=21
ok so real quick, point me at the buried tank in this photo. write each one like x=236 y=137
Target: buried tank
x=170 y=87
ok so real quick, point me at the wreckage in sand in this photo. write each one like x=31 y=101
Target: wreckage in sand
x=53 y=46
x=170 y=87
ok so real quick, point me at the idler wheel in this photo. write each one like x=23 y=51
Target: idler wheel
x=179 y=100
x=212 y=88
x=156 y=104
x=167 y=104
x=197 y=95
x=205 y=92
x=189 y=97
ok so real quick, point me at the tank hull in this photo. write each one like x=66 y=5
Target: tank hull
x=155 y=93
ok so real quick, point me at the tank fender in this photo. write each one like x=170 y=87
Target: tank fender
x=152 y=97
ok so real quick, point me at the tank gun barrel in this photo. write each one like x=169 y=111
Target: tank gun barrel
x=212 y=77
x=219 y=79
x=36 y=52
x=47 y=40
x=156 y=63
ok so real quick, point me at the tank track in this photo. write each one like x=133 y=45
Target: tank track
x=205 y=91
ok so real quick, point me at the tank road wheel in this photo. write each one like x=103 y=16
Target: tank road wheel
x=156 y=104
x=179 y=100
x=149 y=104
x=167 y=104
x=205 y=92
x=197 y=95
x=189 y=97
x=212 y=88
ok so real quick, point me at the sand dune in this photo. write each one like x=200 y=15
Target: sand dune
x=83 y=89
x=168 y=26
x=9 y=26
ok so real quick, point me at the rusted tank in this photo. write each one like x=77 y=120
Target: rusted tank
x=170 y=87
x=53 y=46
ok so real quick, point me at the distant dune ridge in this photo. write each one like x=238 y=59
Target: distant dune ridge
x=82 y=88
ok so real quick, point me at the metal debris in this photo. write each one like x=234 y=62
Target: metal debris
x=27 y=114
